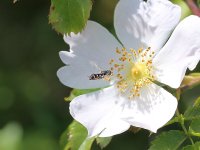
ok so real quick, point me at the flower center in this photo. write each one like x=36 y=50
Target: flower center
x=133 y=70
x=137 y=71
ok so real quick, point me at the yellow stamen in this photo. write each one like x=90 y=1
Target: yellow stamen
x=137 y=70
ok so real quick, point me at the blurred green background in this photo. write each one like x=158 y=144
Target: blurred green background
x=33 y=113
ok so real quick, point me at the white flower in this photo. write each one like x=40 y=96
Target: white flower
x=130 y=96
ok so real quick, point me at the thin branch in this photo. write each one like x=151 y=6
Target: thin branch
x=194 y=8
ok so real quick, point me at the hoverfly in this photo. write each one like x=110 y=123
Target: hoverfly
x=101 y=75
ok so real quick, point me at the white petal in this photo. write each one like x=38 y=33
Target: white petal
x=106 y=113
x=99 y=112
x=90 y=52
x=78 y=77
x=182 y=51
x=153 y=109
x=139 y=24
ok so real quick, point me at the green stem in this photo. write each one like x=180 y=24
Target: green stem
x=181 y=121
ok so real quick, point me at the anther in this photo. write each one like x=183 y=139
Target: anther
x=141 y=70
x=111 y=61
x=116 y=65
x=140 y=50
x=118 y=51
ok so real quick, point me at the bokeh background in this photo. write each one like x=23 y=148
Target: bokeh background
x=33 y=113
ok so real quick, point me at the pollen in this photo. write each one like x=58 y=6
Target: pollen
x=133 y=70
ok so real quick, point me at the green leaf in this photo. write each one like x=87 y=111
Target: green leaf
x=75 y=138
x=68 y=16
x=173 y=120
x=103 y=141
x=170 y=140
x=87 y=144
x=194 y=128
x=194 y=111
x=196 y=146
x=195 y=125
x=75 y=92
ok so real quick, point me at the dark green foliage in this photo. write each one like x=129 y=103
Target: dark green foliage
x=194 y=111
x=196 y=146
x=170 y=140
x=195 y=125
